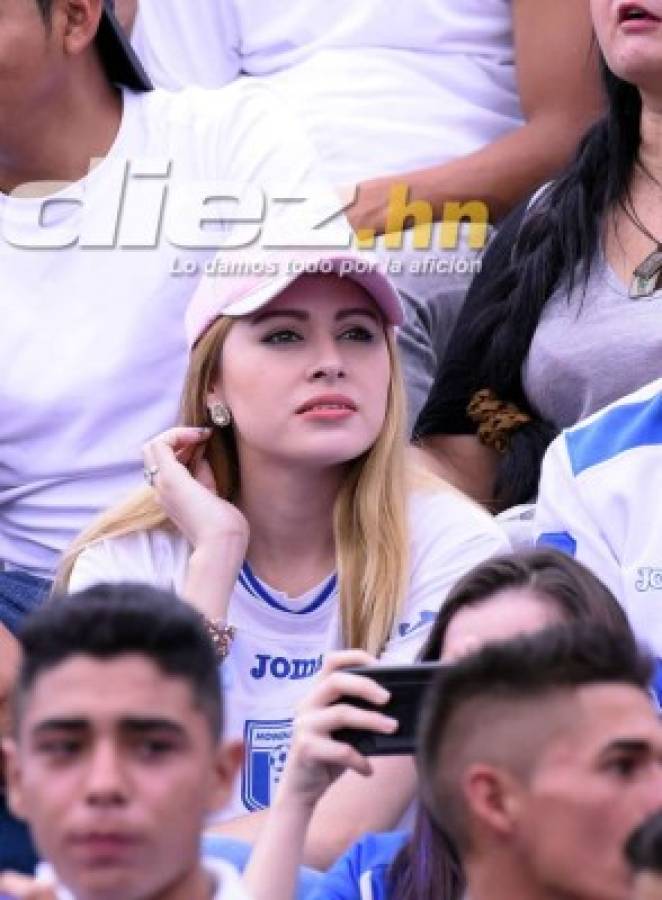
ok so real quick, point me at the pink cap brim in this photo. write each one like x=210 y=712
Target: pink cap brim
x=240 y=296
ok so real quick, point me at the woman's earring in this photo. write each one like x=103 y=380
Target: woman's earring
x=220 y=415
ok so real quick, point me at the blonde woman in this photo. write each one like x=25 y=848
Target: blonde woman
x=282 y=509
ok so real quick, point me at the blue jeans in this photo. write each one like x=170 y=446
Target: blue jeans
x=20 y=594
x=16 y=849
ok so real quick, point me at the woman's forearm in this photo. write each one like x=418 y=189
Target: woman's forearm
x=278 y=854
x=211 y=575
x=498 y=176
x=560 y=95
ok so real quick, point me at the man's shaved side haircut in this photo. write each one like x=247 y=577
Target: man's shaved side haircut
x=518 y=686
x=108 y=621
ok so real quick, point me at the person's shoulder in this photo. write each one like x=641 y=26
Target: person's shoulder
x=630 y=423
x=369 y=859
x=157 y=556
x=150 y=540
x=440 y=508
x=450 y=533
x=378 y=849
x=227 y=879
x=228 y=104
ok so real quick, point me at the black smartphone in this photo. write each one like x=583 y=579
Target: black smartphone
x=407 y=686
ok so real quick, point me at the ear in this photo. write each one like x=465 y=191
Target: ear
x=229 y=757
x=493 y=797
x=215 y=395
x=13 y=778
x=78 y=21
x=126 y=11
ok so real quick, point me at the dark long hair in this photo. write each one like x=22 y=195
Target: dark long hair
x=428 y=866
x=538 y=250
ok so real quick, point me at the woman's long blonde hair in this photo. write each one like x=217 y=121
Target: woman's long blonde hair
x=369 y=517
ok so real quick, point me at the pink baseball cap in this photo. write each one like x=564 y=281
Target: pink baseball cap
x=241 y=284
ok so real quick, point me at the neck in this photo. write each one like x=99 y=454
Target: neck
x=195 y=884
x=650 y=150
x=290 y=512
x=74 y=125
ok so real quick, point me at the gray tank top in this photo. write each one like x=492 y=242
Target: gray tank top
x=592 y=348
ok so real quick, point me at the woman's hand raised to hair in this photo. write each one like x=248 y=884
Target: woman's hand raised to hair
x=315 y=758
x=184 y=484
x=216 y=530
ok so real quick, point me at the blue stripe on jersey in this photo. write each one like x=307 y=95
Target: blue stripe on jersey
x=620 y=429
x=657 y=683
x=558 y=540
x=248 y=581
x=363 y=870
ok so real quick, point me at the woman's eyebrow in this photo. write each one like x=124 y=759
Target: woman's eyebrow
x=358 y=311
x=279 y=313
x=302 y=315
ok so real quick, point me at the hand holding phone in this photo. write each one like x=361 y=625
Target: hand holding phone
x=338 y=700
x=407 y=686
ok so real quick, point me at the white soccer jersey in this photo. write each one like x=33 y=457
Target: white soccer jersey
x=599 y=500
x=281 y=641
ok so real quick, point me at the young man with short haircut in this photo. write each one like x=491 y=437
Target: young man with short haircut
x=537 y=758
x=117 y=757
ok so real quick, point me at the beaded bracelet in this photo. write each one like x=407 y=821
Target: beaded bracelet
x=221 y=636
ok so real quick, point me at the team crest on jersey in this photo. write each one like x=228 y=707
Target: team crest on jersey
x=267 y=743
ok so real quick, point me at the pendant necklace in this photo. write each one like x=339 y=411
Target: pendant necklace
x=646 y=276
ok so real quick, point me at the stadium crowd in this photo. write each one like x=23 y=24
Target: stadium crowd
x=330 y=355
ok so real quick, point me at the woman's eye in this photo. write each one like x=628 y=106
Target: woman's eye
x=284 y=336
x=357 y=333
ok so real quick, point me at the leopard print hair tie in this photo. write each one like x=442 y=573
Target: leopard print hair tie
x=496 y=419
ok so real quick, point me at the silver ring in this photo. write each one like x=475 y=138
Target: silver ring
x=150 y=474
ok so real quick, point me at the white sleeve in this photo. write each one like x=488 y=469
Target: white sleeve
x=450 y=535
x=147 y=558
x=181 y=43
x=564 y=521
x=96 y=564
x=246 y=141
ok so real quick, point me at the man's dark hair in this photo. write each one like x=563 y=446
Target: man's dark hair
x=112 y=620
x=643 y=849
x=45 y=8
x=427 y=865
x=473 y=707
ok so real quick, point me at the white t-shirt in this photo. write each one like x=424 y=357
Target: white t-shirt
x=383 y=86
x=599 y=500
x=281 y=641
x=229 y=885
x=92 y=347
